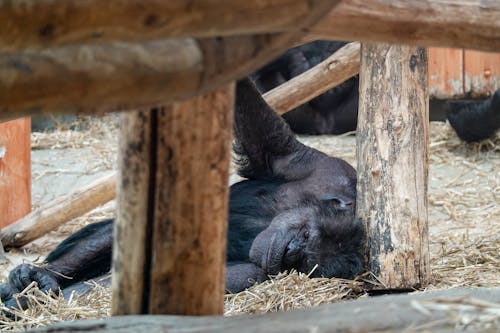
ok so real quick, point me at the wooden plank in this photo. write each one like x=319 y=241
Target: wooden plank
x=58 y=211
x=392 y=139
x=471 y=24
x=482 y=72
x=50 y=23
x=170 y=237
x=97 y=78
x=475 y=308
x=15 y=170
x=446 y=70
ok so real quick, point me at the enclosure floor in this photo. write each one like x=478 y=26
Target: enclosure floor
x=464 y=207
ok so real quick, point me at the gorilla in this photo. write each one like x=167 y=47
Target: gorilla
x=294 y=210
x=475 y=120
x=336 y=110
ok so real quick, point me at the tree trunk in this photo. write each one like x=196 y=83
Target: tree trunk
x=392 y=138
x=170 y=237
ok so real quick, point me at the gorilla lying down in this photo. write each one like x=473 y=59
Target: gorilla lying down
x=295 y=210
x=336 y=110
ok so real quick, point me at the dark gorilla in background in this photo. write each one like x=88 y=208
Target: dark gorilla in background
x=336 y=110
x=294 y=210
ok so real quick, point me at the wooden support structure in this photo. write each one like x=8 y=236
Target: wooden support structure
x=172 y=218
x=392 y=139
x=475 y=308
x=56 y=212
x=29 y=24
x=15 y=170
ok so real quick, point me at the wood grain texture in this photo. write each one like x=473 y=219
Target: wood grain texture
x=471 y=24
x=58 y=211
x=446 y=69
x=331 y=72
x=118 y=77
x=394 y=313
x=481 y=73
x=15 y=170
x=50 y=23
x=169 y=253
x=392 y=139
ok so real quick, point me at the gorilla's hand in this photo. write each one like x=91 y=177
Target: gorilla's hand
x=20 y=278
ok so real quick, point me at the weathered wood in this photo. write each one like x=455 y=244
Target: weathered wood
x=49 y=23
x=169 y=253
x=58 y=211
x=15 y=170
x=106 y=77
x=392 y=139
x=476 y=309
x=471 y=24
x=334 y=70
x=446 y=72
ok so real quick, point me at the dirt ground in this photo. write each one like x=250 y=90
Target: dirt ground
x=464 y=212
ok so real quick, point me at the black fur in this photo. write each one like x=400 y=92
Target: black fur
x=475 y=120
x=295 y=210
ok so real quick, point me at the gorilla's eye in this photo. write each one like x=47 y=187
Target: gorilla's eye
x=306 y=234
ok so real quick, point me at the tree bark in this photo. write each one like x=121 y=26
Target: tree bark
x=392 y=139
x=170 y=244
x=55 y=213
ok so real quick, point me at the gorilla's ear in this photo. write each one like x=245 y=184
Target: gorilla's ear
x=338 y=200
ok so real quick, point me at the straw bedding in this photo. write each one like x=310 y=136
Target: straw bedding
x=464 y=218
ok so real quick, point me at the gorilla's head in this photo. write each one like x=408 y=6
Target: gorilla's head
x=320 y=234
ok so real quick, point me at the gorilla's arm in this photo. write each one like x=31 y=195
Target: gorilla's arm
x=266 y=145
x=84 y=255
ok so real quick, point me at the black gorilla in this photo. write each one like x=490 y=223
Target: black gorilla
x=294 y=210
x=475 y=120
x=333 y=112
x=336 y=110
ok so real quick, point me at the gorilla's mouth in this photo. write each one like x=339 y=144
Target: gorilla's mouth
x=274 y=258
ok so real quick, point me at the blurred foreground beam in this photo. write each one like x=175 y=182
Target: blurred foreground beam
x=31 y=24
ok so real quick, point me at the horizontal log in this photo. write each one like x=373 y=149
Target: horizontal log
x=476 y=309
x=58 y=211
x=331 y=72
x=124 y=76
x=473 y=24
x=50 y=23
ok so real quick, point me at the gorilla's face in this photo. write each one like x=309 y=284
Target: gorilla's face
x=319 y=235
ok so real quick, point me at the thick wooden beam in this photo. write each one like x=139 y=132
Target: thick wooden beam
x=29 y=24
x=473 y=24
x=58 y=211
x=97 y=78
x=51 y=23
x=423 y=312
x=392 y=139
x=170 y=237
x=331 y=72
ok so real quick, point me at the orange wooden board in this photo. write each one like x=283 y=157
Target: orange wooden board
x=482 y=72
x=445 y=72
x=15 y=170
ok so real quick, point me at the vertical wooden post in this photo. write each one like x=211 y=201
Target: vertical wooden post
x=170 y=237
x=15 y=170
x=392 y=138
